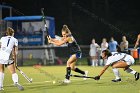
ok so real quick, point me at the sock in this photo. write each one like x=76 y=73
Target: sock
x=93 y=64
x=1 y=79
x=96 y=62
x=68 y=71
x=130 y=70
x=15 y=78
x=79 y=71
x=116 y=73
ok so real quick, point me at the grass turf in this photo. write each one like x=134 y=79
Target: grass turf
x=43 y=82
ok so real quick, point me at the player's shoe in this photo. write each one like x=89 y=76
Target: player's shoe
x=66 y=81
x=137 y=76
x=116 y=80
x=18 y=86
x=86 y=74
x=1 y=88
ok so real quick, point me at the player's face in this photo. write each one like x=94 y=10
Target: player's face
x=103 y=55
x=64 y=34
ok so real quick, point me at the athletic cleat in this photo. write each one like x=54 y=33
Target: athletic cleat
x=86 y=74
x=1 y=88
x=66 y=81
x=116 y=80
x=19 y=86
x=137 y=76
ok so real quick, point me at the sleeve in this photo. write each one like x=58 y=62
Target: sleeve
x=108 y=62
x=16 y=42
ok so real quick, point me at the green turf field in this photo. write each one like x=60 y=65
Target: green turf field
x=43 y=83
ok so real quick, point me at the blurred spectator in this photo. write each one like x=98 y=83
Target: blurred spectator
x=30 y=29
x=93 y=52
x=112 y=45
x=137 y=42
x=124 y=45
x=104 y=46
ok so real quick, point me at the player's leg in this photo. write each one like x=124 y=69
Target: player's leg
x=127 y=65
x=1 y=76
x=131 y=71
x=129 y=61
x=115 y=66
x=76 y=69
x=68 y=68
x=12 y=70
x=117 y=75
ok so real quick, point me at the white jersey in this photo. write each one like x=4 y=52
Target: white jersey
x=7 y=44
x=120 y=56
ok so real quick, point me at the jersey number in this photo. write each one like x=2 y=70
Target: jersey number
x=116 y=54
x=8 y=42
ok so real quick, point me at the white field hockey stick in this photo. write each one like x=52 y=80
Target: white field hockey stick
x=24 y=75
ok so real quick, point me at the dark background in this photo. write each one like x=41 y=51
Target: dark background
x=87 y=19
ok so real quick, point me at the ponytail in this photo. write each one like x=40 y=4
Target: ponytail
x=9 y=31
x=66 y=29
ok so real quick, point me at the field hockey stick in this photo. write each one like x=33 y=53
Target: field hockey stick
x=82 y=76
x=44 y=20
x=24 y=75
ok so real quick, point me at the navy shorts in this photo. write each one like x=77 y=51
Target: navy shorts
x=139 y=50
x=78 y=55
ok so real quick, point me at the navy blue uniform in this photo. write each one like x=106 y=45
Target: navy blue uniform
x=74 y=47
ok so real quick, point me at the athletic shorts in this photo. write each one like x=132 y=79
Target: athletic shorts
x=129 y=60
x=78 y=55
x=8 y=62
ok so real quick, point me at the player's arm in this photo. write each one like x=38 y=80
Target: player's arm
x=103 y=70
x=14 y=53
x=58 y=42
x=137 y=42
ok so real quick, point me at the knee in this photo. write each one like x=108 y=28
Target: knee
x=68 y=64
x=12 y=69
x=113 y=67
x=1 y=70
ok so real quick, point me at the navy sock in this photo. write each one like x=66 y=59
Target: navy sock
x=68 y=72
x=79 y=71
